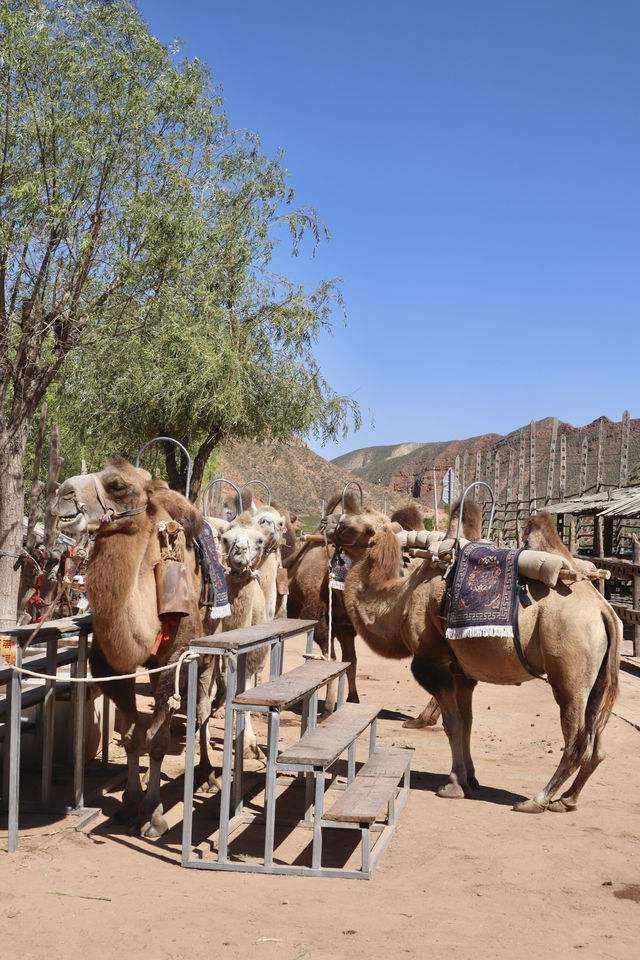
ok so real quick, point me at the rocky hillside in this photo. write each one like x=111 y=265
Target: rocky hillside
x=408 y=467
x=297 y=477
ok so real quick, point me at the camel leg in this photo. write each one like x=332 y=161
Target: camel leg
x=204 y=774
x=572 y=713
x=151 y=822
x=569 y=799
x=251 y=749
x=428 y=718
x=123 y=695
x=347 y=639
x=437 y=679
x=464 y=688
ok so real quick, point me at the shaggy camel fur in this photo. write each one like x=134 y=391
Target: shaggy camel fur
x=570 y=633
x=125 y=508
x=409 y=517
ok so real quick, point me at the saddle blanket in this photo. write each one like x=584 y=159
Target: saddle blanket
x=484 y=592
x=214 y=593
x=339 y=569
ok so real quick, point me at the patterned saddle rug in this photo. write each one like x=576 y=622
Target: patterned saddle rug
x=484 y=592
x=214 y=594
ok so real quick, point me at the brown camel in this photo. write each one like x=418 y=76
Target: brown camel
x=308 y=599
x=570 y=633
x=128 y=512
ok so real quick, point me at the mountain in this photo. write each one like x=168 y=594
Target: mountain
x=297 y=478
x=407 y=468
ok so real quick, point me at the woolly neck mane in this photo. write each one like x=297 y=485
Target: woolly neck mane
x=382 y=560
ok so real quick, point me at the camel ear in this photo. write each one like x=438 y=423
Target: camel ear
x=396 y=527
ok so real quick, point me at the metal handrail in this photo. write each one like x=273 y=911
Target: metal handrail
x=178 y=444
x=348 y=484
x=220 y=480
x=262 y=483
x=476 y=483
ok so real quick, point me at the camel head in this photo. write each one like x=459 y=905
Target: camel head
x=120 y=491
x=243 y=547
x=273 y=525
x=82 y=502
x=370 y=536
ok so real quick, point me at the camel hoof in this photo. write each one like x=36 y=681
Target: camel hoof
x=529 y=806
x=418 y=723
x=561 y=806
x=214 y=785
x=353 y=698
x=451 y=791
x=155 y=827
x=252 y=752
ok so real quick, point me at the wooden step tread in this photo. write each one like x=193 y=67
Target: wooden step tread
x=290 y=687
x=257 y=634
x=363 y=800
x=387 y=762
x=324 y=744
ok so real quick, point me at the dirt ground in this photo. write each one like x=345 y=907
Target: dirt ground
x=465 y=878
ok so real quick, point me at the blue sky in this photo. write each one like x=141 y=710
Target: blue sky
x=477 y=163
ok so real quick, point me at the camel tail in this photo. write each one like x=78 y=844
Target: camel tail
x=606 y=688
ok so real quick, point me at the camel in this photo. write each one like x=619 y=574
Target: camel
x=127 y=511
x=570 y=633
x=308 y=599
x=249 y=548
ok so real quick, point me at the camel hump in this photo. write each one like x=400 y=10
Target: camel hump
x=409 y=517
x=471 y=520
x=541 y=534
x=178 y=508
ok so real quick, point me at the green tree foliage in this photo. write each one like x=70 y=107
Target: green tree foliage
x=135 y=229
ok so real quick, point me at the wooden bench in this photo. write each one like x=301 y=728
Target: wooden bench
x=382 y=782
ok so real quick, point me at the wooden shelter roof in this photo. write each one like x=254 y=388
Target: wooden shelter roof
x=621 y=502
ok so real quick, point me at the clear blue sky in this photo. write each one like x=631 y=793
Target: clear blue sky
x=477 y=163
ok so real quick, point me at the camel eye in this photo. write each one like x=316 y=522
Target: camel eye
x=369 y=531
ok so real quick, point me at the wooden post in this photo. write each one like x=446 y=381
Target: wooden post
x=636 y=596
x=563 y=467
x=583 y=467
x=532 y=467
x=552 y=460
x=572 y=536
x=457 y=492
x=599 y=470
x=624 y=451
x=465 y=470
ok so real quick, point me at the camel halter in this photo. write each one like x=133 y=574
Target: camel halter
x=109 y=514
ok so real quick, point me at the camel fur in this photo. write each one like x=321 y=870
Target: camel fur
x=123 y=506
x=570 y=633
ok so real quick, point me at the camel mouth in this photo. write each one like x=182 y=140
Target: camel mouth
x=75 y=524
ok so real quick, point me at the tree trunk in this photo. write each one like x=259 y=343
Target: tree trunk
x=12 y=447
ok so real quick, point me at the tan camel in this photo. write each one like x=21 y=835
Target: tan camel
x=570 y=633
x=127 y=510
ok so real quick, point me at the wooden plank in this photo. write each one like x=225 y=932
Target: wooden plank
x=52 y=628
x=363 y=800
x=390 y=762
x=246 y=636
x=324 y=744
x=292 y=686
x=622 y=569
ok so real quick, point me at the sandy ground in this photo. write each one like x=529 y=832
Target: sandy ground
x=463 y=878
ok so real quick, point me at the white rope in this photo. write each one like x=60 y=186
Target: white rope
x=187 y=655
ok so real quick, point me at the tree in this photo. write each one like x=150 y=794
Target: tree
x=121 y=231
x=103 y=144
x=227 y=351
